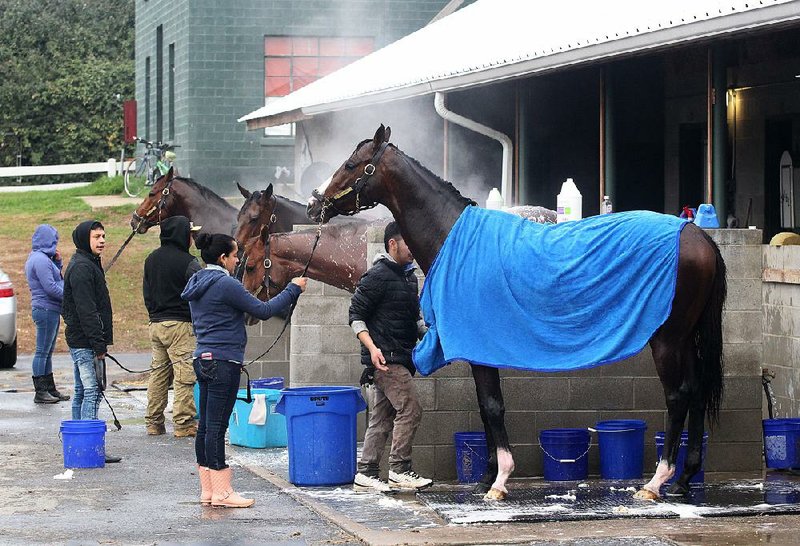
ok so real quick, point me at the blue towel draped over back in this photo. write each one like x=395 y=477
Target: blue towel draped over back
x=509 y=293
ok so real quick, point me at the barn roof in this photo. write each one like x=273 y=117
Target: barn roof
x=495 y=40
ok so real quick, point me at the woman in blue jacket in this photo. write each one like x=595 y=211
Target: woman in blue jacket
x=218 y=303
x=43 y=271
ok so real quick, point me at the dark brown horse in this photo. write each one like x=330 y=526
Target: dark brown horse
x=687 y=348
x=264 y=211
x=179 y=196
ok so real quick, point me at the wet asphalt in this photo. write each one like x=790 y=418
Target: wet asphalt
x=151 y=496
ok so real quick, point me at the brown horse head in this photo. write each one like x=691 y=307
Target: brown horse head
x=257 y=213
x=352 y=187
x=152 y=210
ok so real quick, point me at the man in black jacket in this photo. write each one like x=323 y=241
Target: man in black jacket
x=385 y=316
x=166 y=271
x=86 y=309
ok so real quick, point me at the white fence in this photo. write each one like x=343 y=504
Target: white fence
x=110 y=167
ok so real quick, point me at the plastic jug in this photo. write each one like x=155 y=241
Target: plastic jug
x=495 y=200
x=706 y=216
x=569 y=203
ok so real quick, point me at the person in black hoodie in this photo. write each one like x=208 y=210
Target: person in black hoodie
x=384 y=314
x=166 y=271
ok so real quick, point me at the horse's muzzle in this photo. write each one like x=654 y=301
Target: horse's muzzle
x=314 y=209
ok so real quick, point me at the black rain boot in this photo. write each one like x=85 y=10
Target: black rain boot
x=51 y=388
x=43 y=396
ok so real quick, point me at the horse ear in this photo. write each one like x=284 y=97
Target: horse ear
x=388 y=134
x=268 y=191
x=380 y=136
x=245 y=192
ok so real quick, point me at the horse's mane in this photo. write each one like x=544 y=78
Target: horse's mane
x=204 y=191
x=448 y=185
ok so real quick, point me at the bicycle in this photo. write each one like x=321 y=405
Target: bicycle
x=144 y=170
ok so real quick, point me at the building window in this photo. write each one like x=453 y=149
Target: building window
x=171 y=92
x=292 y=62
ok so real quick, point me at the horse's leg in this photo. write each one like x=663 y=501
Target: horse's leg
x=490 y=475
x=676 y=392
x=696 y=426
x=490 y=400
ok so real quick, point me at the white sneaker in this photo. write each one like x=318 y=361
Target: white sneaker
x=375 y=483
x=409 y=480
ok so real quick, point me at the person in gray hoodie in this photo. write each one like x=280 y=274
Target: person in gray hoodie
x=43 y=272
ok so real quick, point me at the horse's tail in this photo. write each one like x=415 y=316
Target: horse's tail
x=709 y=340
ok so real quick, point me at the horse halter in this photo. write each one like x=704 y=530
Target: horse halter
x=357 y=187
x=266 y=281
x=158 y=207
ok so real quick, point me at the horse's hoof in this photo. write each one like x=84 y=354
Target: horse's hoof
x=495 y=495
x=645 y=494
x=481 y=488
x=676 y=490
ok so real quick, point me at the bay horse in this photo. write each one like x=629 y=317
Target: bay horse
x=686 y=348
x=265 y=211
x=180 y=196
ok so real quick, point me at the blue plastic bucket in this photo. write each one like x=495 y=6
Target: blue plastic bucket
x=621 y=443
x=472 y=456
x=565 y=453
x=84 y=443
x=197 y=400
x=275 y=383
x=782 y=443
x=321 y=427
x=271 y=434
x=679 y=462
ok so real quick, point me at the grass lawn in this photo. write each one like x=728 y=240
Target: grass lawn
x=20 y=213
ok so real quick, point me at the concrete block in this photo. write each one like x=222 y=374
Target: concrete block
x=423 y=460
x=444 y=462
x=438 y=428
x=327 y=369
x=322 y=310
x=736 y=425
x=426 y=392
x=741 y=326
x=323 y=339
x=742 y=393
x=742 y=359
x=744 y=294
x=527 y=460
x=648 y=394
x=535 y=393
x=791 y=256
x=735 y=236
x=457 y=393
x=459 y=368
x=600 y=393
x=521 y=427
x=742 y=262
x=734 y=457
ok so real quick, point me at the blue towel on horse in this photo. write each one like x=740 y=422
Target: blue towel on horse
x=508 y=293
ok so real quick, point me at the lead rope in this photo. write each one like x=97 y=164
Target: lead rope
x=249 y=398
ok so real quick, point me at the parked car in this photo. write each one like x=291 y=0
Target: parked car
x=8 y=322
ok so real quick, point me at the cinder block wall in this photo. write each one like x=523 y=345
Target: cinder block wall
x=781 y=291
x=324 y=352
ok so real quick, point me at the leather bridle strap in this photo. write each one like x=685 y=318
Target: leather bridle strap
x=358 y=185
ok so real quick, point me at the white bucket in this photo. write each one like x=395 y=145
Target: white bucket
x=569 y=203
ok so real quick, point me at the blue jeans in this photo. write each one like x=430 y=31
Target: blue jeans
x=47 y=323
x=219 y=384
x=87 y=392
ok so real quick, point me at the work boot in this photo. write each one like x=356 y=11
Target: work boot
x=205 y=484
x=42 y=396
x=188 y=432
x=156 y=430
x=222 y=493
x=51 y=388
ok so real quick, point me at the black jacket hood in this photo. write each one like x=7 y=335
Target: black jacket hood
x=175 y=230
x=80 y=235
